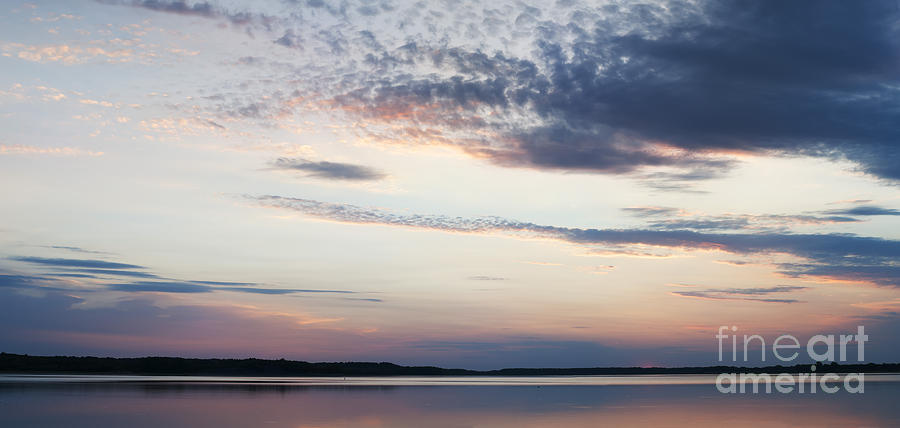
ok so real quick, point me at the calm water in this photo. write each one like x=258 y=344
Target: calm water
x=658 y=401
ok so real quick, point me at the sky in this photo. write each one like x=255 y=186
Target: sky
x=452 y=183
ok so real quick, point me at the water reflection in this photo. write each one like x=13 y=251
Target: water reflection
x=228 y=404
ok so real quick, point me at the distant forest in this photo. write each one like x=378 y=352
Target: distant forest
x=16 y=363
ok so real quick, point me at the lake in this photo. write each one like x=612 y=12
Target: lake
x=575 y=401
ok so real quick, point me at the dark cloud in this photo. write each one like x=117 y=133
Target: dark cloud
x=368 y=10
x=112 y=272
x=329 y=170
x=667 y=85
x=200 y=9
x=716 y=296
x=841 y=256
x=704 y=224
x=741 y=222
x=866 y=210
x=161 y=287
x=207 y=287
x=73 y=249
x=289 y=40
x=214 y=124
x=52 y=280
x=750 y=294
x=225 y=283
x=17 y=281
x=81 y=263
x=178 y=6
x=650 y=211
x=876 y=270
x=281 y=290
x=663 y=92
x=250 y=60
x=735 y=262
x=370 y=299
x=71 y=275
x=756 y=291
x=676 y=219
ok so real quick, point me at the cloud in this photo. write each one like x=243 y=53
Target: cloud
x=882 y=271
x=208 y=287
x=749 y=294
x=179 y=7
x=671 y=85
x=113 y=272
x=17 y=281
x=329 y=170
x=850 y=201
x=486 y=278
x=866 y=210
x=245 y=284
x=71 y=275
x=755 y=291
x=73 y=249
x=116 y=50
x=713 y=296
x=367 y=299
x=49 y=281
x=281 y=290
x=289 y=40
x=161 y=287
x=19 y=149
x=677 y=219
x=669 y=93
x=81 y=263
x=734 y=262
x=651 y=211
x=841 y=256
x=199 y=9
x=97 y=269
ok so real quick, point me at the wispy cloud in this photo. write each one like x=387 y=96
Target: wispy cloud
x=199 y=9
x=73 y=249
x=204 y=287
x=178 y=6
x=161 y=287
x=79 y=263
x=329 y=170
x=830 y=255
x=119 y=273
x=20 y=149
x=748 y=294
x=679 y=219
x=652 y=211
x=149 y=282
x=866 y=210
x=17 y=281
